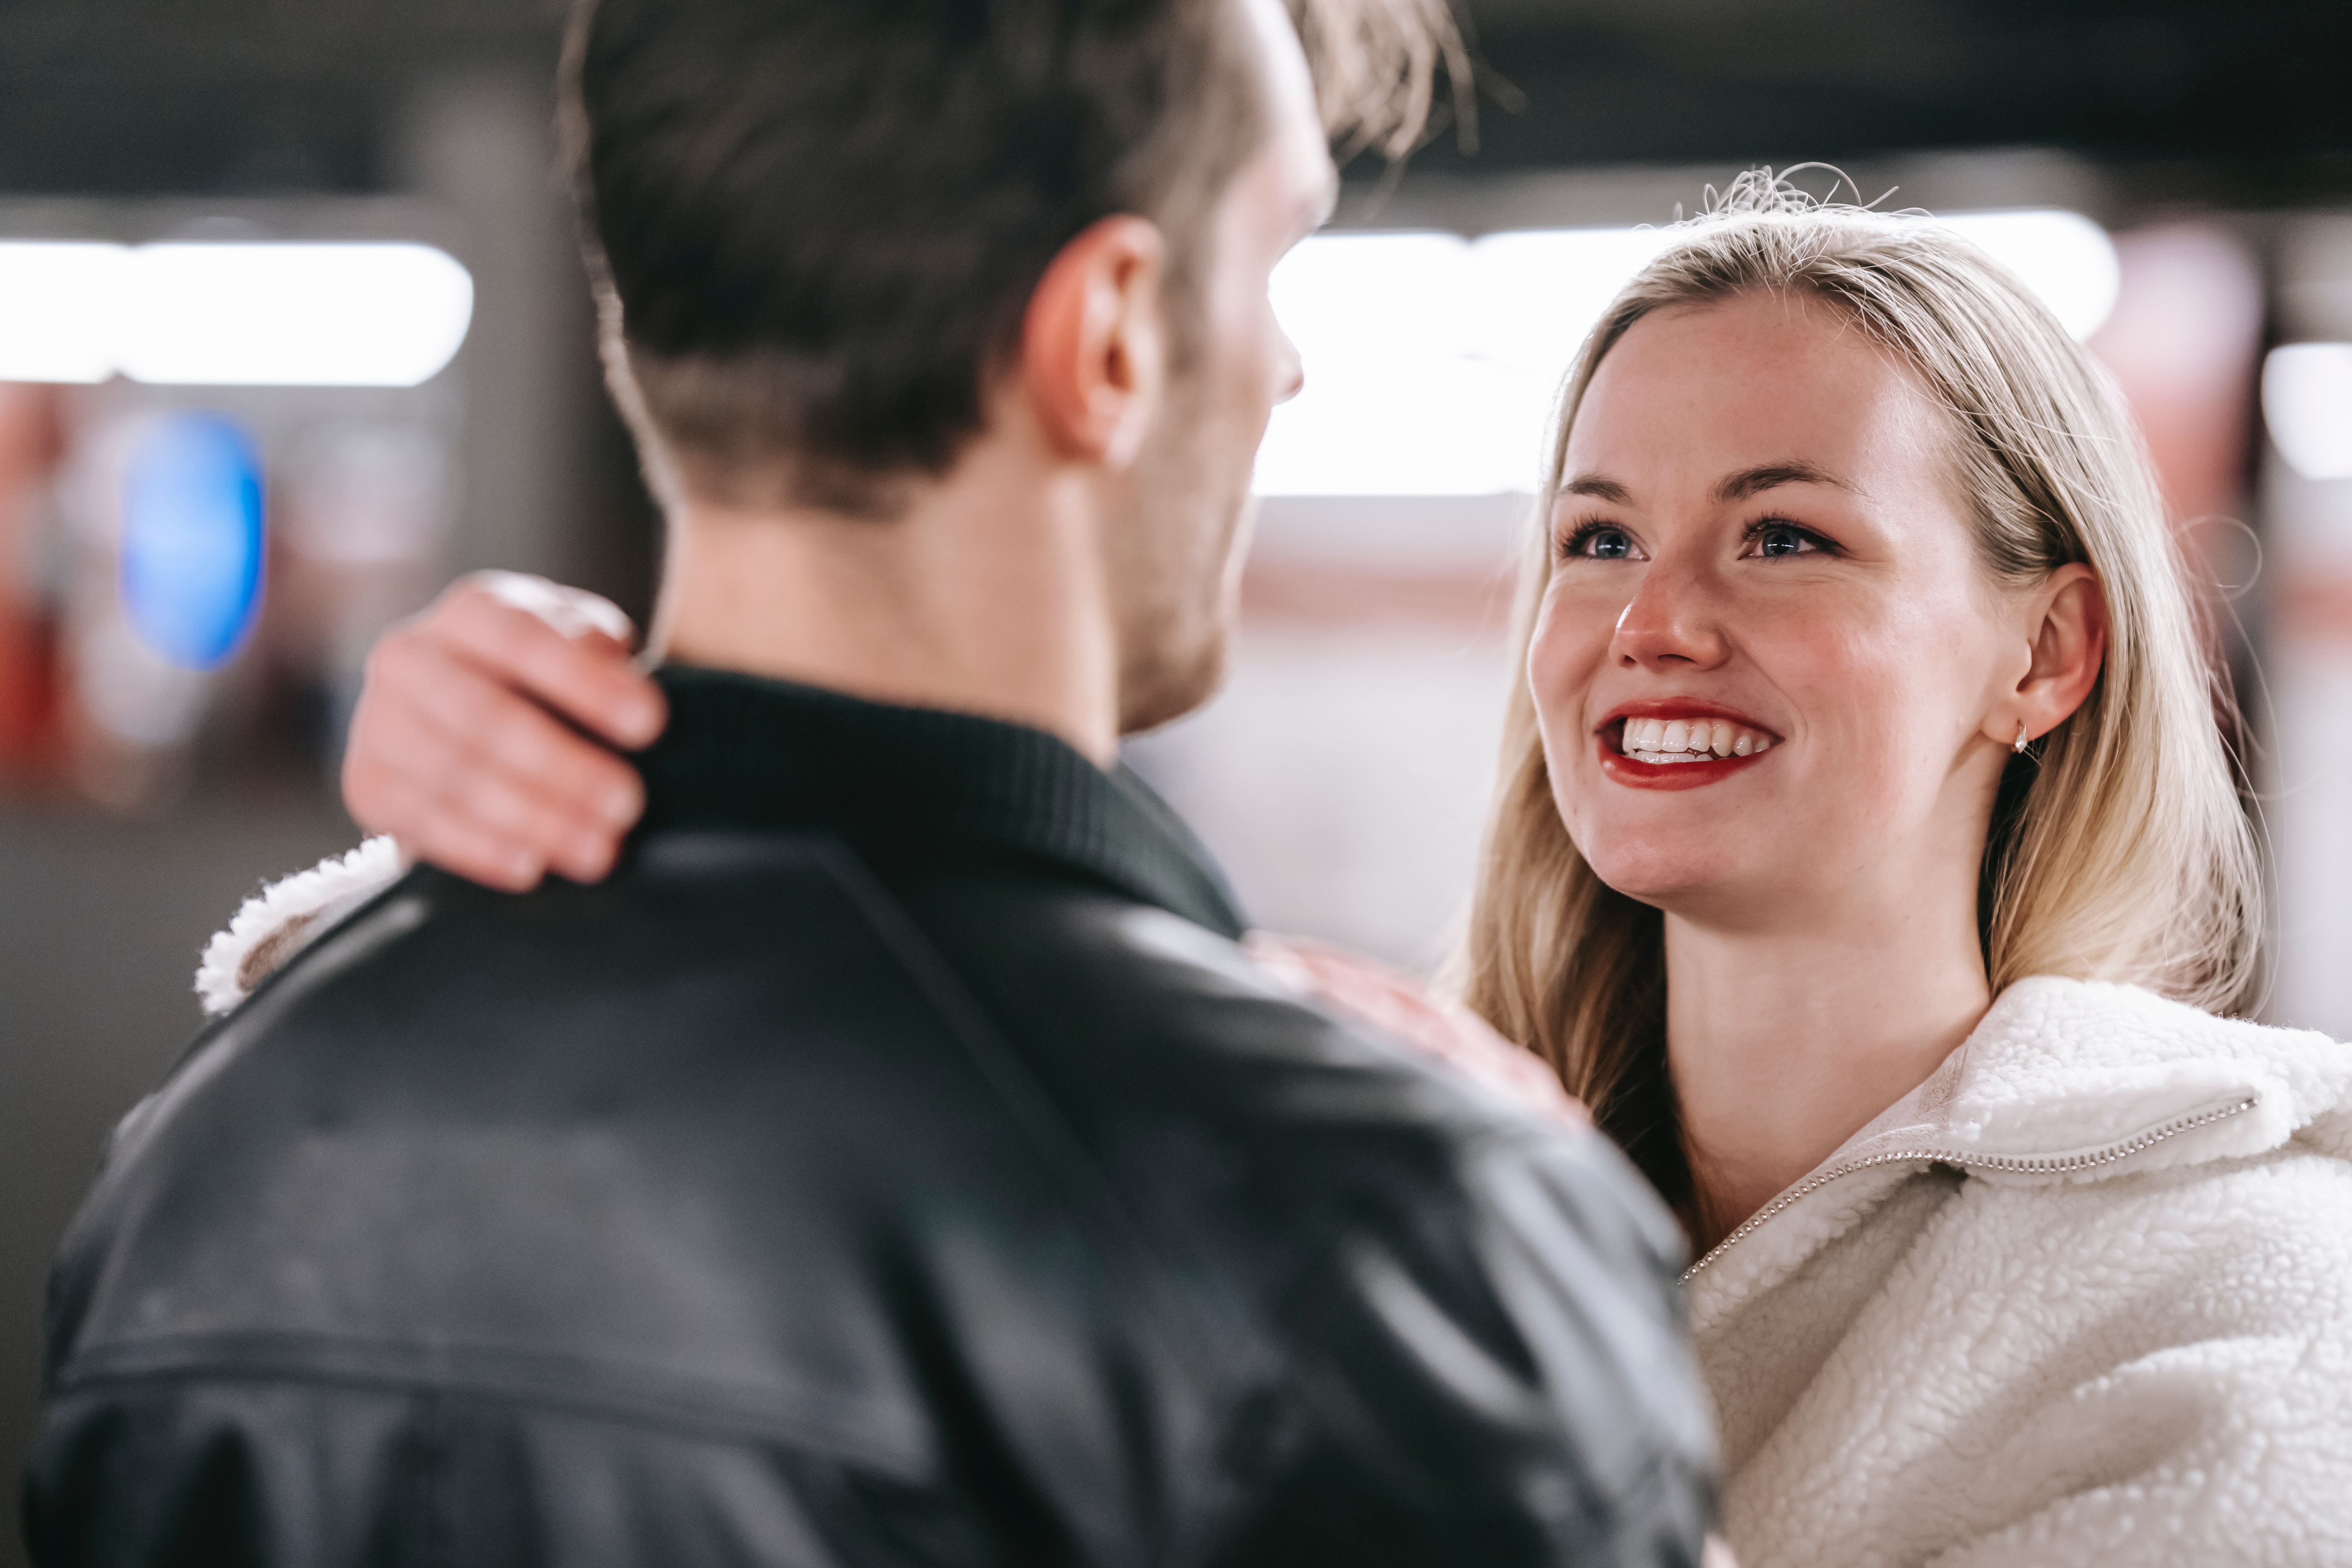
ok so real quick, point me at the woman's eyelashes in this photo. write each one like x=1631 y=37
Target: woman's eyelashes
x=1768 y=539
x=1776 y=538
x=1599 y=541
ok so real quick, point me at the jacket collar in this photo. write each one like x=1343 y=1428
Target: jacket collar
x=742 y=751
x=2063 y=1081
x=2083 y=1080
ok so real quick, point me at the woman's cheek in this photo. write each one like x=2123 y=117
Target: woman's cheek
x=1569 y=643
x=1564 y=657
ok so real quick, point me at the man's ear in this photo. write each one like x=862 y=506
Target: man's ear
x=2070 y=647
x=1094 y=343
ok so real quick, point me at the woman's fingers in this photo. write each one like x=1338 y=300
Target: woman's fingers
x=452 y=734
x=566 y=648
x=467 y=849
x=439 y=791
x=571 y=610
x=480 y=724
x=466 y=770
x=1402 y=1007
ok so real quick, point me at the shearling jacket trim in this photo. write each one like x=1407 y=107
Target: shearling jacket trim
x=2083 y=1296
x=288 y=916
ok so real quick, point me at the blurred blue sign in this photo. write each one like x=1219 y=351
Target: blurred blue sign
x=192 y=539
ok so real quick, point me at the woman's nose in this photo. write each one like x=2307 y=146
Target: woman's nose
x=1671 y=622
x=1290 y=368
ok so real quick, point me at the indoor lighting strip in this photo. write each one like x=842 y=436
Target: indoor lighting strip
x=230 y=314
x=1432 y=359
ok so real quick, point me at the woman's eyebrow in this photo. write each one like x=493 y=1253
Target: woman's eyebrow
x=1599 y=488
x=1754 y=481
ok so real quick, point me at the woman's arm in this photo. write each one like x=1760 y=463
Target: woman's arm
x=463 y=750
x=458 y=753
x=463 y=746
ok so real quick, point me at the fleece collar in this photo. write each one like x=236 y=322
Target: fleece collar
x=2080 y=1080
x=2064 y=1081
x=288 y=916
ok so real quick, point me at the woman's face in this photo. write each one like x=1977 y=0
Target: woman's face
x=1760 y=560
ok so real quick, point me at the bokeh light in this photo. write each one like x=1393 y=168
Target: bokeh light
x=192 y=539
x=2307 y=405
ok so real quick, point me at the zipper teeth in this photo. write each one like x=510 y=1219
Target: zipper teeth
x=2032 y=1164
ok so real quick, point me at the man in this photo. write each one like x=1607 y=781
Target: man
x=896 y=1160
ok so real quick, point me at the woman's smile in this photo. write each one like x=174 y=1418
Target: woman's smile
x=1669 y=743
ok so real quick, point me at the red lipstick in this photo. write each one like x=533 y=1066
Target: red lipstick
x=1636 y=773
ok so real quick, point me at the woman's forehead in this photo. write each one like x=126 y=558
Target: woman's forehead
x=1689 y=396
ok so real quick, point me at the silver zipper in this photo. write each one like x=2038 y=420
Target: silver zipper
x=2030 y=1164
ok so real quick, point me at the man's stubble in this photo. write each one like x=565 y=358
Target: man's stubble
x=1177 y=562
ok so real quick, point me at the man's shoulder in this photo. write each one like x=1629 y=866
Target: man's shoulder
x=698 y=934
x=731 y=1029
x=1202 y=1085
x=684 y=1146
x=1113 y=999
x=790 y=984
x=812 y=1020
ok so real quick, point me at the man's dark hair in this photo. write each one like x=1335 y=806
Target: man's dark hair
x=821 y=221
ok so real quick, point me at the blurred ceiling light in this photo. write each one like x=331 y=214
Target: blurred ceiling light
x=2307 y=404
x=232 y=315
x=1391 y=405
x=2062 y=257
x=293 y=315
x=1433 y=361
x=57 y=308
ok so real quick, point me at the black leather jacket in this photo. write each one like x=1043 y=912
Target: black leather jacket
x=895 y=1163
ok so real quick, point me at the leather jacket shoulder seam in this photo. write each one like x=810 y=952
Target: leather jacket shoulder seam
x=1022 y=1098
x=593 y=1389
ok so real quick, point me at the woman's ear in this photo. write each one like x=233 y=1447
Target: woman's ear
x=2069 y=628
x=1093 y=343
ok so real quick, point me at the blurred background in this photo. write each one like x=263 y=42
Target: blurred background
x=291 y=330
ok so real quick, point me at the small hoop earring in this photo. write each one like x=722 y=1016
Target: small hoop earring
x=2020 y=747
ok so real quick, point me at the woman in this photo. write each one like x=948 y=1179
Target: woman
x=1867 y=859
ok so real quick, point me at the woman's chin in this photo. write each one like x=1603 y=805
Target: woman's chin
x=1668 y=849
x=1666 y=876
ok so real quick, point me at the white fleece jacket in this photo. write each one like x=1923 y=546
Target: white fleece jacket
x=2085 y=1297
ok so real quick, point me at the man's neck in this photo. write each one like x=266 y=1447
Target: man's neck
x=986 y=597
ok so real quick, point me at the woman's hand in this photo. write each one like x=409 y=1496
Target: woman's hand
x=460 y=747
x=1396 y=1006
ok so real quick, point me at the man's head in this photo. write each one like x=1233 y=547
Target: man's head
x=834 y=234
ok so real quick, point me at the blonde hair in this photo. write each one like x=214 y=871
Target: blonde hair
x=2119 y=847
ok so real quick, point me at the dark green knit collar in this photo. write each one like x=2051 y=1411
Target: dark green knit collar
x=742 y=751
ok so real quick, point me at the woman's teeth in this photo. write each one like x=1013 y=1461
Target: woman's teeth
x=1690 y=740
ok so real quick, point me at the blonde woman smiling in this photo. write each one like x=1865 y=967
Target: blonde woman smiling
x=1868 y=861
